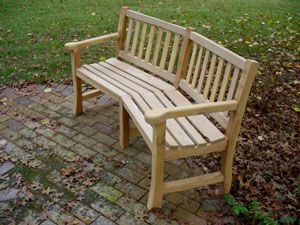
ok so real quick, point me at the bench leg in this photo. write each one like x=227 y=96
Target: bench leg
x=77 y=105
x=124 y=126
x=157 y=169
x=226 y=168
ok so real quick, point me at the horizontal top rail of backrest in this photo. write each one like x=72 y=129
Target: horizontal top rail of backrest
x=156 y=22
x=152 y=44
x=219 y=50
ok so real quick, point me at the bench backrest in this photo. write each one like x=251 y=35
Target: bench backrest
x=150 y=43
x=205 y=70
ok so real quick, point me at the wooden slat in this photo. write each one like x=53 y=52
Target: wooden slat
x=197 y=67
x=217 y=80
x=188 y=183
x=157 y=22
x=128 y=36
x=224 y=82
x=174 y=53
x=233 y=83
x=209 y=76
x=219 y=50
x=165 y=50
x=172 y=154
x=199 y=121
x=158 y=83
x=149 y=44
x=147 y=66
x=219 y=116
x=122 y=29
x=135 y=37
x=142 y=41
x=129 y=77
x=191 y=65
x=203 y=71
x=173 y=127
x=157 y=46
x=185 y=124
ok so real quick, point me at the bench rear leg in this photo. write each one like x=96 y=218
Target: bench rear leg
x=77 y=105
x=226 y=167
x=124 y=126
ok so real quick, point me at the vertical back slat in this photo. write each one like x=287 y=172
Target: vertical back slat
x=217 y=80
x=150 y=42
x=142 y=42
x=203 y=70
x=174 y=53
x=197 y=67
x=233 y=83
x=165 y=50
x=210 y=75
x=192 y=61
x=128 y=36
x=224 y=81
x=122 y=30
x=135 y=37
x=157 y=46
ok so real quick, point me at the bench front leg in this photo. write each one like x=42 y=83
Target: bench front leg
x=157 y=170
x=77 y=92
x=124 y=126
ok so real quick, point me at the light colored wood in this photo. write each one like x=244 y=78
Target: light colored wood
x=197 y=68
x=149 y=44
x=92 y=41
x=219 y=50
x=160 y=115
x=77 y=92
x=142 y=42
x=165 y=50
x=224 y=82
x=191 y=65
x=174 y=53
x=122 y=30
x=184 y=56
x=135 y=37
x=188 y=183
x=183 y=152
x=217 y=80
x=209 y=76
x=158 y=83
x=233 y=83
x=235 y=121
x=90 y=94
x=149 y=67
x=157 y=167
x=203 y=71
x=157 y=46
x=128 y=36
x=156 y=22
x=124 y=126
x=219 y=116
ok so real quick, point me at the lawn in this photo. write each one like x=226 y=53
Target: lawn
x=33 y=32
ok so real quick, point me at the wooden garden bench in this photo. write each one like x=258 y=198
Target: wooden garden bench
x=185 y=94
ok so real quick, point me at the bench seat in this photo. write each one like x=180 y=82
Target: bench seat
x=141 y=92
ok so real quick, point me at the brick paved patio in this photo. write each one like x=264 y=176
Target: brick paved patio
x=60 y=169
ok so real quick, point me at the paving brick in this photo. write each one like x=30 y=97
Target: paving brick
x=66 y=131
x=82 y=139
x=24 y=143
x=106 y=129
x=48 y=222
x=60 y=216
x=104 y=139
x=45 y=131
x=83 y=151
x=63 y=140
x=129 y=174
x=28 y=133
x=107 y=192
x=108 y=177
x=129 y=219
x=132 y=206
x=183 y=201
x=103 y=162
x=32 y=124
x=130 y=189
x=101 y=220
x=213 y=204
x=3 y=118
x=85 y=213
x=5 y=167
x=65 y=153
x=10 y=194
x=107 y=208
x=13 y=125
x=104 y=150
x=88 y=131
x=23 y=100
x=67 y=121
x=10 y=134
x=44 y=142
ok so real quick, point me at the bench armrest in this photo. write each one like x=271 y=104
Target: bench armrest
x=92 y=41
x=157 y=116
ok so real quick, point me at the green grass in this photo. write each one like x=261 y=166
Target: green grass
x=32 y=33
